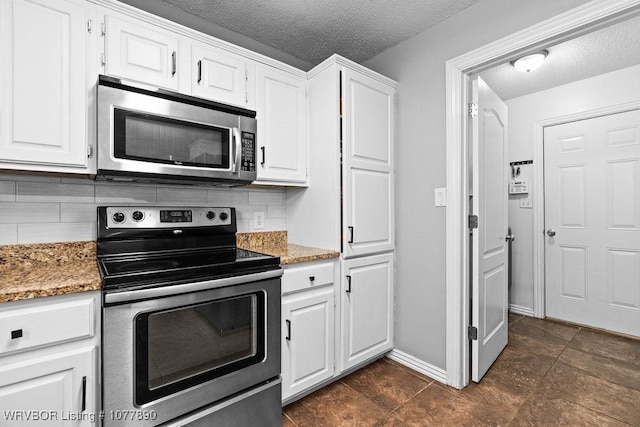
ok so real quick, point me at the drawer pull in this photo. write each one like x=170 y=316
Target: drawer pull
x=288 y=337
x=16 y=334
x=348 y=290
x=312 y=278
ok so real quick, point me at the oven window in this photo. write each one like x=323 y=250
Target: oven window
x=179 y=348
x=157 y=139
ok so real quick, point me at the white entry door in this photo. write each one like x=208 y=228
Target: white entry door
x=489 y=260
x=592 y=220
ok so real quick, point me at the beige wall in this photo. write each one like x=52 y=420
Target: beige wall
x=606 y=90
x=418 y=64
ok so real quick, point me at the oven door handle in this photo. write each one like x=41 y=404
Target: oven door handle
x=166 y=291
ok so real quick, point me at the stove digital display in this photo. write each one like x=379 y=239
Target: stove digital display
x=176 y=216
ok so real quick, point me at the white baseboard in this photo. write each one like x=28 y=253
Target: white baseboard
x=418 y=365
x=517 y=309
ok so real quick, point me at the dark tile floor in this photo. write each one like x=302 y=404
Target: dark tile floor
x=550 y=374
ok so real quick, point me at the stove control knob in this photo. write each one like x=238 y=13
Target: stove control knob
x=118 y=217
x=137 y=215
x=211 y=215
x=224 y=216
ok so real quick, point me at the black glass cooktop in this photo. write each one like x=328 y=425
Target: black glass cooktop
x=136 y=271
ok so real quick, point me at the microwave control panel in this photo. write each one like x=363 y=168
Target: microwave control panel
x=248 y=162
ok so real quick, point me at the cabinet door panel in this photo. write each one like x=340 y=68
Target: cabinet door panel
x=282 y=118
x=135 y=51
x=50 y=385
x=368 y=171
x=367 y=308
x=219 y=76
x=308 y=337
x=44 y=76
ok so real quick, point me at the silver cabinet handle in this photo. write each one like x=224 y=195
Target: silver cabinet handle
x=173 y=63
x=199 y=71
x=551 y=232
x=510 y=237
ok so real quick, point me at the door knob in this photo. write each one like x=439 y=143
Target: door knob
x=510 y=237
x=551 y=232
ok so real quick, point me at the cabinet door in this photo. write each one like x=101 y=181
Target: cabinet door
x=43 y=99
x=307 y=340
x=282 y=124
x=367 y=308
x=138 y=51
x=55 y=390
x=368 y=166
x=219 y=76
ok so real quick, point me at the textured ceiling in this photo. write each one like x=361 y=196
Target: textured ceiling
x=314 y=30
x=609 y=49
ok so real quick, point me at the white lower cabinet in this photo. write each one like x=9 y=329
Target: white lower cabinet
x=52 y=390
x=49 y=361
x=308 y=326
x=308 y=340
x=367 y=308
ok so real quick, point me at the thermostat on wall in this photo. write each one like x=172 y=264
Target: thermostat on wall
x=518 y=186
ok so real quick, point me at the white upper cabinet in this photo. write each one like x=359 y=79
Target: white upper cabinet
x=368 y=164
x=142 y=52
x=44 y=90
x=282 y=127
x=220 y=76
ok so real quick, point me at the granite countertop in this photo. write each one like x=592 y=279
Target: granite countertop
x=276 y=243
x=47 y=269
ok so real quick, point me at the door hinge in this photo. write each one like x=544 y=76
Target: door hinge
x=472 y=110
x=472 y=332
x=103 y=59
x=103 y=28
x=473 y=221
x=89 y=26
x=89 y=151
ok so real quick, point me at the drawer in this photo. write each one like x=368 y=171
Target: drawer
x=43 y=324
x=307 y=277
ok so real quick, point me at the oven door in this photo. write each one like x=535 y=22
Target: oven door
x=168 y=356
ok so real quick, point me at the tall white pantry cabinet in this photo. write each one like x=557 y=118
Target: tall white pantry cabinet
x=348 y=206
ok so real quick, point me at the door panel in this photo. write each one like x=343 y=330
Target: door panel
x=367 y=308
x=308 y=340
x=139 y=52
x=219 y=76
x=592 y=202
x=281 y=107
x=43 y=71
x=367 y=119
x=489 y=269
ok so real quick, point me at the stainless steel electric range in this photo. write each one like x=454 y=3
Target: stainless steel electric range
x=191 y=331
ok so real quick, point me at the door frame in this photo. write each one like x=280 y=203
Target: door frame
x=570 y=24
x=539 y=239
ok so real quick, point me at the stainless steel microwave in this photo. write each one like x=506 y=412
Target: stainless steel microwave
x=161 y=136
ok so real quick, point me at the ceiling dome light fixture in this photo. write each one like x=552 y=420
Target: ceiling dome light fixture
x=530 y=62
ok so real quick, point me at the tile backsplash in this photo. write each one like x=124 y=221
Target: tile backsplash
x=42 y=209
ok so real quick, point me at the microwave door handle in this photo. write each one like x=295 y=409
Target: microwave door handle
x=237 y=150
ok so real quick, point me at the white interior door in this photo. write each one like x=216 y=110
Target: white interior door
x=489 y=258
x=592 y=220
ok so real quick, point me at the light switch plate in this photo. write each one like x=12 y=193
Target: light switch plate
x=526 y=203
x=441 y=196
